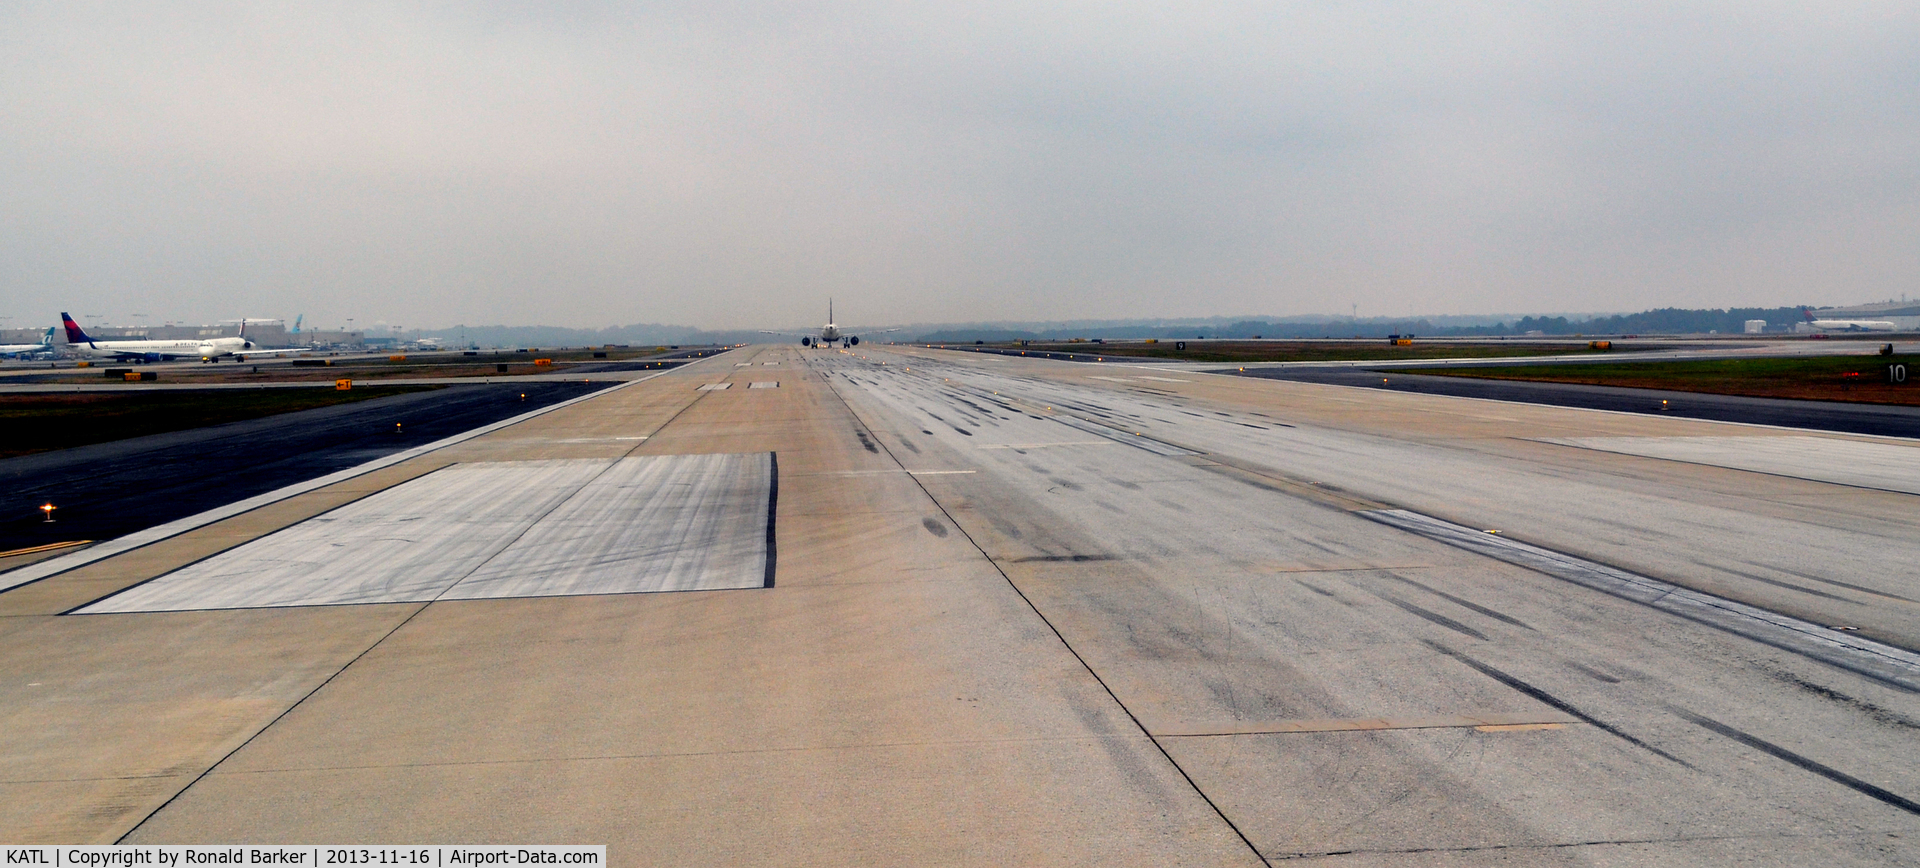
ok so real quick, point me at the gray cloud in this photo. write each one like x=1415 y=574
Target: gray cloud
x=731 y=165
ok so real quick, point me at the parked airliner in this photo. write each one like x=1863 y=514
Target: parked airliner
x=1848 y=325
x=44 y=346
x=158 y=351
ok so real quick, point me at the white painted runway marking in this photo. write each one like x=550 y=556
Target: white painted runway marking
x=1047 y=445
x=1165 y=379
x=743 y=364
x=1865 y=656
x=501 y=529
x=768 y=384
x=1108 y=379
x=715 y=387
x=883 y=472
x=1882 y=466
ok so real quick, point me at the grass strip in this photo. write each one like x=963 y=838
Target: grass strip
x=1857 y=379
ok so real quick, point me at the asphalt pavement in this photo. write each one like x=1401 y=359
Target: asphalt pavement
x=112 y=489
x=1878 y=419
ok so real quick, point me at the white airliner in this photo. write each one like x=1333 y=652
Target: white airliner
x=44 y=346
x=160 y=351
x=1848 y=325
x=829 y=333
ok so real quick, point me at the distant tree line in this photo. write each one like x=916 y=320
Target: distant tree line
x=1670 y=320
x=1665 y=321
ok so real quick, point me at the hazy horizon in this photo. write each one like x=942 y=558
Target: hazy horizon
x=732 y=166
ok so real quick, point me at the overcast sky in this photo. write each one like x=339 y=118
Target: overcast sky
x=732 y=164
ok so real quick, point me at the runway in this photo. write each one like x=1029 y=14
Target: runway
x=1013 y=611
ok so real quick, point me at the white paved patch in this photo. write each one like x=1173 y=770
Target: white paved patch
x=716 y=387
x=1884 y=466
x=662 y=523
x=501 y=529
x=767 y=384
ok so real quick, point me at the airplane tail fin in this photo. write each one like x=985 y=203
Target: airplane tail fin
x=75 y=335
x=1808 y=313
x=46 y=340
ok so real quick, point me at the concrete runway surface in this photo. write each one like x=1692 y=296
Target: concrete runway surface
x=1014 y=612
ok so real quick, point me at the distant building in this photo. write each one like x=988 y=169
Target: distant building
x=28 y=336
x=1755 y=326
x=323 y=338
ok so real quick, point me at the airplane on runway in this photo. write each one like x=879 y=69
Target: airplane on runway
x=159 y=351
x=829 y=333
x=44 y=346
x=1848 y=325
